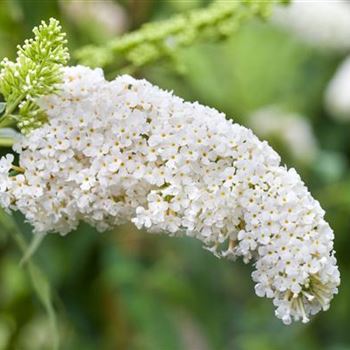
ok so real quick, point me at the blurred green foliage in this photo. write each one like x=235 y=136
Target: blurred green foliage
x=131 y=290
x=163 y=39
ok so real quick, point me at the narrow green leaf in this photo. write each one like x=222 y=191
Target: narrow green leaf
x=32 y=248
x=43 y=291
x=39 y=281
x=2 y=107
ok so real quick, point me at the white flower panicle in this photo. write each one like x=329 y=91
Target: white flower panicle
x=323 y=24
x=126 y=150
x=337 y=95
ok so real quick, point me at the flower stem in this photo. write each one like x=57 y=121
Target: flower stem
x=18 y=169
x=6 y=142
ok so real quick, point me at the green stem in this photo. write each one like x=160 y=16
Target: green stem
x=8 y=118
x=6 y=142
x=18 y=169
x=11 y=107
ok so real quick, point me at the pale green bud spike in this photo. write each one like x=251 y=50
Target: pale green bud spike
x=36 y=72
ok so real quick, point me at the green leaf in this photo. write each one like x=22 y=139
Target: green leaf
x=39 y=281
x=43 y=291
x=32 y=248
x=2 y=107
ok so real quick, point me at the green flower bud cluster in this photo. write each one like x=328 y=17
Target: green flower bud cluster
x=36 y=72
x=157 y=40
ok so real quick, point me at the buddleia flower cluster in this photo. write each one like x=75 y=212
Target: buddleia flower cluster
x=36 y=72
x=125 y=150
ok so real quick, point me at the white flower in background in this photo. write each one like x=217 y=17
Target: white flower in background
x=292 y=129
x=337 y=96
x=324 y=24
x=108 y=14
x=126 y=150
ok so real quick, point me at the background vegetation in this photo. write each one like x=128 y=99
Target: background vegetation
x=131 y=290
